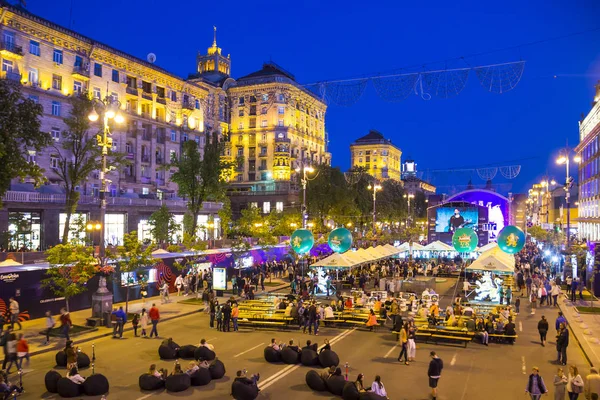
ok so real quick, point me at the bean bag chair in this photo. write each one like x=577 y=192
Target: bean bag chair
x=335 y=384
x=201 y=377
x=172 y=344
x=289 y=356
x=187 y=352
x=67 y=388
x=243 y=391
x=272 y=355
x=217 y=369
x=51 y=379
x=61 y=359
x=371 y=396
x=178 y=383
x=167 y=353
x=315 y=382
x=204 y=353
x=309 y=358
x=83 y=360
x=350 y=392
x=329 y=358
x=95 y=385
x=150 y=382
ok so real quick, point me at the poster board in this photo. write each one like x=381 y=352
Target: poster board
x=219 y=279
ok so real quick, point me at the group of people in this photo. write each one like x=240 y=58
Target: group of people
x=16 y=349
x=571 y=383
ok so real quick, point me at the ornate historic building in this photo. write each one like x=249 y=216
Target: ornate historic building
x=377 y=155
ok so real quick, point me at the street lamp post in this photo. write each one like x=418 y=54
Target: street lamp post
x=408 y=197
x=374 y=188
x=565 y=158
x=304 y=180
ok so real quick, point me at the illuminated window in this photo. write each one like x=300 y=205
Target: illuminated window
x=279 y=206
x=281 y=110
x=77 y=87
x=265 y=97
x=280 y=122
x=33 y=76
x=114 y=229
x=266 y=207
x=97 y=93
x=55 y=133
x=264 y=123
x=56 y=82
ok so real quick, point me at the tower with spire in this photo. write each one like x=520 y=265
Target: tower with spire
x=214 y=66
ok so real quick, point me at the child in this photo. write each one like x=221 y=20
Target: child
x=219 y=316
x=134 y=323
x=22 y=351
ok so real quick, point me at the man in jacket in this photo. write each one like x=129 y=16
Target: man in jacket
x=562 y=342
x=560 y=320
x=154 y=315
x=121 y=319
x=434 y=372
x=65 y=323
x=226 y=317
x=592 y=383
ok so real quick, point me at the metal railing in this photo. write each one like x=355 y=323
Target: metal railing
x=12 y=47
x=131 y=90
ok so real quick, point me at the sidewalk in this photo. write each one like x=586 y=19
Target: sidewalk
x=585 y=328
x=174 y=309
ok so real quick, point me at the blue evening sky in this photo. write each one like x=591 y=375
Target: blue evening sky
x=321 y=40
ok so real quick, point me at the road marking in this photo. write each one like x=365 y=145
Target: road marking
x=523 y=366
x=467 y=381
x=290 y=368
x=244 y=352
x=390 y=352
x=146 y=396
x=453 y=361
x=211 y=339
x=520 y=326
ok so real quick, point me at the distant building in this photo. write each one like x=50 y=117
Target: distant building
x=412 y=183
x=377 y=155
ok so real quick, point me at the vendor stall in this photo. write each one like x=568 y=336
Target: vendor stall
x=493 y=265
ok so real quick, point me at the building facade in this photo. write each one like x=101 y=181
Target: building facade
x=589 y=168
x=412 y=182
x=380 y=158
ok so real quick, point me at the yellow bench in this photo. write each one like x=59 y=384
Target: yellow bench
x=465 y=340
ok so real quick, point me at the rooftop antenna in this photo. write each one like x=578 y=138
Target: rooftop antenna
x=214 y=36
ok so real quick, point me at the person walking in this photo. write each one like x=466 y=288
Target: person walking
x=533 y=299
x=212 y=311
x=404 y=343
x=154 y=315
x=535 y=385
x=164 y=291
x=179 y=284
x=574 y=284
x=562 y=342
x=49 y=325
x=434 y=372
x=592 y=383
x=575 y=383
x=22 y=351
x=144 y=322
x=555 y=292
x=65 y=323
x=412 y=347
x=14 y=314
x=560 y=385
x=543 y=330
x=135 y=321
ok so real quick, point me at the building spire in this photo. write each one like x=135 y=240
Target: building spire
x=215 y=36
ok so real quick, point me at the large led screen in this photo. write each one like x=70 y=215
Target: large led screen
x=449 y=219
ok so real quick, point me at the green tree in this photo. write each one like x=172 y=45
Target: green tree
x=71 y=267
x=132 y=258
x=225 y=217
x=162 y=225
x=19 y=133
x=538 y=233
x=78 y=155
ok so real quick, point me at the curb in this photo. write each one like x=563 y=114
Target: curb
x=574 y=335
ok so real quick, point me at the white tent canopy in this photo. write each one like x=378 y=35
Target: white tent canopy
x=159 y=252
x=358 y=256
x=10 y=263
x=392 y=249
x=438 y=246
x=407 y=247
x=487 y=247
x=386 y=251
x=375 y=255
x=335 y=260
x=494 y=260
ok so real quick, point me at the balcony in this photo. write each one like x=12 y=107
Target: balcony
x=161 y=100
x=160 y=182
x=261 y=154
x=188 y=105
x=131 y=90
x=10 y=49
x=262 y=168
x=147 y=96
x=145 y=179
x=130 y=156
x=11 y=76
x=81 y=72
x=145 y=115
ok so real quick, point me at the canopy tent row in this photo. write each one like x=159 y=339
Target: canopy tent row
x=438 y=246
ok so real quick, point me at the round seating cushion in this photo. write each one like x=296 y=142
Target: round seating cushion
x=217 y=369
x=315 y=382
x=243 y=391
x=178 y=382
x=67 y=388
x=371 y=396
x=83 y=360
x=61 y=359
x=350 y=392
x=204 y=353
x=335 y=384
x=201 y=377
x=289 y=356
x=187 y=352
x=150 y=382
x=272 y=355
x=309 y=357
x=51 y=379
x=95 y=385
x=329 y=358
x=167 y=353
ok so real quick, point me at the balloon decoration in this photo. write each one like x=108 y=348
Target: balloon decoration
x=465 y=240
x=340 y=240
x=302 y=241
x=511 y=239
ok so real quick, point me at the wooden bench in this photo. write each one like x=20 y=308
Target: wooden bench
x=500 y=338
x=257 y=324
x=465 y=340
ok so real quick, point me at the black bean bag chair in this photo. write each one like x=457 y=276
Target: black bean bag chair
x=167 y=353
x=67 y=388
x=204 y=353
x=217 y=369
x=150 y=382
x=178 y=383
x=83 y=361
x=371 y=396
x=61 y=359
x=95 y=385
x=290 y=356
x=243 y=391
x=201 y=377
x=272 y=355
x=172 y=344
x=187 y=352
x=315 y=382
x=309 y=358
x=51 y=379
x=350 y=392
x=328 y=358
x=335 y=384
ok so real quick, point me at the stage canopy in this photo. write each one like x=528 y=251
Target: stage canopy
x=494 y=260
x=438 y=246
x=335 y=260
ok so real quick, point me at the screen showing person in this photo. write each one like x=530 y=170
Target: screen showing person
x=450 y=219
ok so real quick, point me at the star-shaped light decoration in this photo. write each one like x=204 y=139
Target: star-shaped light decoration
x=512 y=240
x=464 y=240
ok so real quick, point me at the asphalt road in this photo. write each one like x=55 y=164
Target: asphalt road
x=477 y=372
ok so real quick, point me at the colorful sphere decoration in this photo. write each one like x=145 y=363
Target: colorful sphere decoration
x=340 y=240
x=511 y=239
x=465 y=240
x=302 y=241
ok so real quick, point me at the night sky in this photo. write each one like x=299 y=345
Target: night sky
x=323 y=40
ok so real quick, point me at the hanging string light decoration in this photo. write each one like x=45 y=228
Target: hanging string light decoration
x=510 y=171
x=500 y=78
x=445 y=84
x=395 y=88
x=487 y=174
x=344 y=93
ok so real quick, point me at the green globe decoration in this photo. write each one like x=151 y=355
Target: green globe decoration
x=302 y=241
x=511 y=239
x=340 y=240
x=465 y=240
